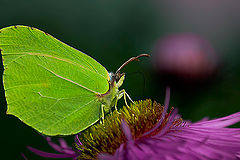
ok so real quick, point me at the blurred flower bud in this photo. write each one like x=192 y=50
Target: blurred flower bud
x=185 y=57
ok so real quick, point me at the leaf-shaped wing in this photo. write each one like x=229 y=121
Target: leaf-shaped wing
x=48 y=84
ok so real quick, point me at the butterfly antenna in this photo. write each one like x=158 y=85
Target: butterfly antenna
x=130 y=60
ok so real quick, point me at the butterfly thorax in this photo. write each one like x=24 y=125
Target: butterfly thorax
x=111 y=96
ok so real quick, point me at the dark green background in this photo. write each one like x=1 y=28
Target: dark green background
x=111 y=31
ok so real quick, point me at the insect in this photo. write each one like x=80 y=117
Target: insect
x=53 y=87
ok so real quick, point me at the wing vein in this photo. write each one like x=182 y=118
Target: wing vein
x=55 y=57
x=68 y=114
x=69 y=80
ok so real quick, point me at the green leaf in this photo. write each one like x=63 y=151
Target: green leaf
x=48 y=84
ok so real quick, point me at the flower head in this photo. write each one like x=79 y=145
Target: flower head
x=185 y=56
x=202 y=140
x=146 y=131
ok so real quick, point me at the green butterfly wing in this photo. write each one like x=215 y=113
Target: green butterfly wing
x=49 y=85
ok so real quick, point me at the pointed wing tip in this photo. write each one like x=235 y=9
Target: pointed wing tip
x=9 y=113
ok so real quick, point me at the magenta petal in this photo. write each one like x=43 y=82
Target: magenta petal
x=166 y=104
x=203 y=140
x=63 y=143
x=126 y=130
x=24 y=157
x=105 y=156
x=64 y=150
x=220 y=122
x=50 y=155
x=77 y=140
x=53 y=145
x=65 y=147
x=169 y=124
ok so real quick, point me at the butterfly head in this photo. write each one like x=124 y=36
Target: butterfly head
x=116 y=77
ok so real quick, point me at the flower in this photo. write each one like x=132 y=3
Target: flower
x=146 y=131
x=206 y=139
x=185 y=56
x=201 y=140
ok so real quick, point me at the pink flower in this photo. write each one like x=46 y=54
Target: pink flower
x=171 y=138
x=203 y=140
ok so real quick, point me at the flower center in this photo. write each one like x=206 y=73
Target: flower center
x=141 y=117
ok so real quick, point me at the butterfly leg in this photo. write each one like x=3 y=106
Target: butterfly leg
x=125 y=95
x=115 y=105
x=128 y=96
x=102 y=117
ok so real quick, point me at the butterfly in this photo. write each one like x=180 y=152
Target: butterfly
x=53 y=87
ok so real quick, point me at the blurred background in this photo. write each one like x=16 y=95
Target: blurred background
x=194 y=47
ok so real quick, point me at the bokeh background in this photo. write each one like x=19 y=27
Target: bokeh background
x=111 y=31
